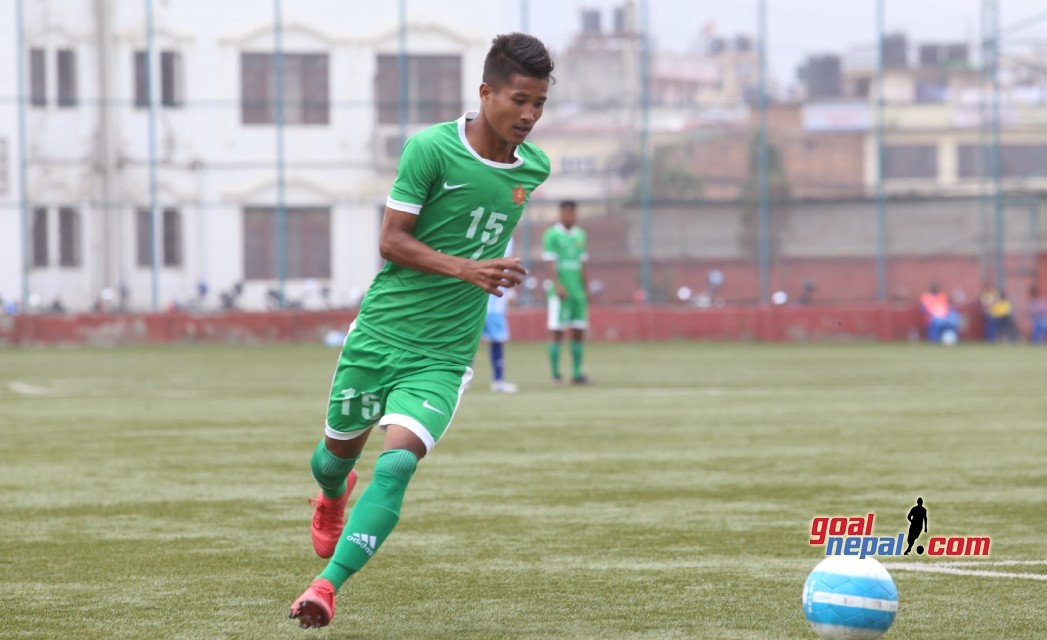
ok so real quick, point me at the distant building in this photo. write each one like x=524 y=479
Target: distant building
x=822 y=77
x=702 y=129
x=718 y=72
x=214 y=82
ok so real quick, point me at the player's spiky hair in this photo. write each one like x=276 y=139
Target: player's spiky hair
x=516 y=53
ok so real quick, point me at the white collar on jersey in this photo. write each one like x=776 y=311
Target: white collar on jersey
x=573 y=230
x=471 y=115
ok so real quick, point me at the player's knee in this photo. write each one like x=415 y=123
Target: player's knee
x=393 y=470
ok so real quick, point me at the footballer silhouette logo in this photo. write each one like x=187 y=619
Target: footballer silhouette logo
x=917 y=524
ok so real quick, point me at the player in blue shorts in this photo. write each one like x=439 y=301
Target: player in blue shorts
x=496 y=334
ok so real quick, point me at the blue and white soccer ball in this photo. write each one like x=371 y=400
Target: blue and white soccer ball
x=847 y=598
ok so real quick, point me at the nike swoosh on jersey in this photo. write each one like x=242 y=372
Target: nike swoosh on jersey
x=426 y=405
x=451 y=187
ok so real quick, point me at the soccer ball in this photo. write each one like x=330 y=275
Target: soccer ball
x=847 y=598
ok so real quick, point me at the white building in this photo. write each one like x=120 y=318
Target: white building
x=10 y=191
x=217 y=182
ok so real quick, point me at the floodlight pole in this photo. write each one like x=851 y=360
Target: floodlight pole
x=881 y=199
x=645 y=160
x=281 y=196
x=154 y=210
x=992 y=16
x=992 y=34
x=23 y=164
x=764 y=231
x=402 y=71
x=983 y=154
x=525 y=244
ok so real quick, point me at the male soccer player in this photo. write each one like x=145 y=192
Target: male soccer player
x=459 y=192
x=565 y=251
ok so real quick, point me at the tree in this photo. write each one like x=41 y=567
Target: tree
x=672 y=180
x=778 y=194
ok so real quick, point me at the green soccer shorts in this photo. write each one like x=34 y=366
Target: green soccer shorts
x=378 y=384
x=569 y=313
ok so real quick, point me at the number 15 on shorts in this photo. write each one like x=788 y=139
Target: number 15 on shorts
x=369 y=404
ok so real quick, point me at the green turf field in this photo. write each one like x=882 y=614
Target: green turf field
x=161 y=493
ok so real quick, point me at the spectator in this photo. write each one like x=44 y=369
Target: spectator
x=1002 y=314
x=988 y=297
x=1037 y=315
x=942 y=321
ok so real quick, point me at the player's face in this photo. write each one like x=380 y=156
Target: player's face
x=567 y=216
x=514 y=108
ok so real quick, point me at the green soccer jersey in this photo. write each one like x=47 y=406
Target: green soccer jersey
x=568 y=249
x=467 y=206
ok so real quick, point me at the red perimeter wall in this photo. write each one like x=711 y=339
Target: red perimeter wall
x=769 y=324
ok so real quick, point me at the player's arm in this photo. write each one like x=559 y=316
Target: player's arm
x=554 y=275
x=585 y=274
x=397 y=244
x=550 y=257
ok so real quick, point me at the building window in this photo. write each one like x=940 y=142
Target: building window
x=172 y=79
x=143 y=234
x=141 y=83
x=170 y=237
x=37 y=77
x=308 y=243
x=910 y=161
x=971 y=159
x=861 y=87
x=305 y=88
x=1016 y=161
x=578 y=165
x=66 y=64
x=39 y=231
x=434 y=89
x=1023 y=160
x=69 y=237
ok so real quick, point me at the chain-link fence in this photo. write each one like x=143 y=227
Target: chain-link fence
x=237 y=155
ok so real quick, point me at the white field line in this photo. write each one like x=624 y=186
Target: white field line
x=956 y=569
x=991 y=563
x=26 y=389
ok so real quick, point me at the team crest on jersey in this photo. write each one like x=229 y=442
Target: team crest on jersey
x=519 y=194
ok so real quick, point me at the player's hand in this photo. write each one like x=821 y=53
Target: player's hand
x=491 y=275
x=561 y=291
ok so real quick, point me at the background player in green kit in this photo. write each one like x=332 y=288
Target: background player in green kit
x=565 y=250
x=459 y=192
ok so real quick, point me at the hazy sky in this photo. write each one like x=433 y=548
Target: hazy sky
x=796 y=28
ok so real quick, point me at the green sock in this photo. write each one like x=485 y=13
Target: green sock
x=554 y=358
x=577 y=348
x=331 y=471
x=373 y=517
